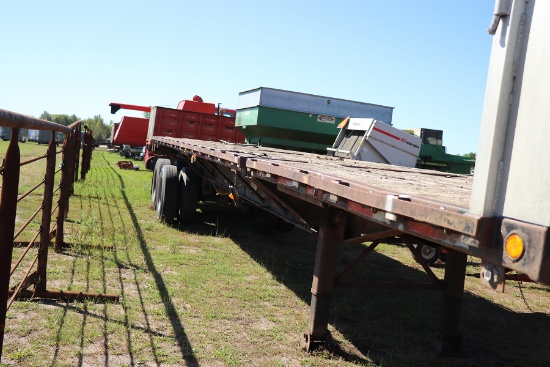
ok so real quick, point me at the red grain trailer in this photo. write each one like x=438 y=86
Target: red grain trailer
x=192 y=119
x=131 y=131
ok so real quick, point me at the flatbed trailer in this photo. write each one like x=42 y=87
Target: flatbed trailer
x=500 y=215
x=346 y=201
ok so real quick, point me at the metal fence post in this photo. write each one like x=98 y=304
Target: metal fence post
x=65 y=190
x=8 y=208
x=41 y=268
x=76 y=141
x=72 y=165
x=88 y=145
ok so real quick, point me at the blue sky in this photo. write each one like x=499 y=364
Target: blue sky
x=426 y=58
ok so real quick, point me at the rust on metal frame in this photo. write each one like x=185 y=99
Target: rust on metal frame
x=17 y=120
x=335 y=189
x=24 y=253
x=47 y=204
x=24 y=163
x=77 y=127
x=358 y=260
x=67 y=179
x=8 y=209
x=299 y=195
x=29 y=220
x=420 y=260
x=24 y=195
x=331 y=232
x=345 y=189
x=23 y=283
x=332 y=189
x=69 y=296
x=281 y=203
x=224 y=156
x=442 y=223
x=88 y=146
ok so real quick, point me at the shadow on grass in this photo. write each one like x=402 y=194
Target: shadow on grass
x=80 y=252
x=389 y=327
x=183 y=342
x=110 y=212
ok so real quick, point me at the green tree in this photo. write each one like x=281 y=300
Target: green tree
x=61 y=119
x=470 y=155
x=101 y=131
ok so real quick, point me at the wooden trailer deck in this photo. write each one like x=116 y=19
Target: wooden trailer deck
x=431 y=197
x=444 y=187
x=432 y=185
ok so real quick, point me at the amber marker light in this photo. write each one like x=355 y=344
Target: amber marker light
x=514 y=246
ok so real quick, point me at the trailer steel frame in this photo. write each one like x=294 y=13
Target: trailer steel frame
x=340 y=201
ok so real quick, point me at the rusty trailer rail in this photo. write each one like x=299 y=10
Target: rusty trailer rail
x=53 y=209
x=344 y=201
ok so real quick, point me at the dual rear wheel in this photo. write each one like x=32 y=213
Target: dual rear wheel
x=174 y=193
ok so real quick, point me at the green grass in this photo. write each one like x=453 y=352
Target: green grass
x=220 y=293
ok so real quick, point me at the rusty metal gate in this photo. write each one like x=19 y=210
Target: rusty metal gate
x=53 y=210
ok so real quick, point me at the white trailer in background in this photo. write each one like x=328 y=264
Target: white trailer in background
x=367 y=139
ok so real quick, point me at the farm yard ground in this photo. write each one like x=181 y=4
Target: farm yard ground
x=221 y=293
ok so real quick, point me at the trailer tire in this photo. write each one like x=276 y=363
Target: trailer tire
x=430 y=253
x=188 y=196
x=154 y=180
x=167 y=191
x=150 y=163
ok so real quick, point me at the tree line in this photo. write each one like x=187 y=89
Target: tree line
x=102 y=131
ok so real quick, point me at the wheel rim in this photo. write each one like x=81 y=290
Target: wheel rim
x=427 y=252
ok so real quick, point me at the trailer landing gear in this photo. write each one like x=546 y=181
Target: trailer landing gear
x=331 y=234
x=310 y=344
x=331 y=231
x=448 y=339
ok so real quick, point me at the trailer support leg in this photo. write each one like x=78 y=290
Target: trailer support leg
x=448 y=339
x=331 y=234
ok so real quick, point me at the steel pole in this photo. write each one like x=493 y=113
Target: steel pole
x=64 y=193
x=86 y=153
x=41 y=268
x=448 y=339
x=331 y=234
x=76 y=141
x=8 y=209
